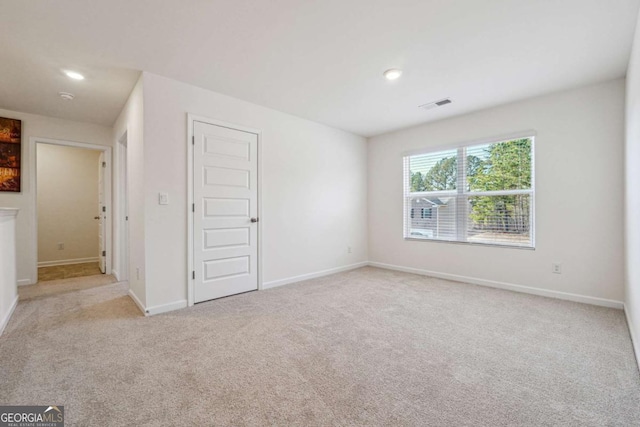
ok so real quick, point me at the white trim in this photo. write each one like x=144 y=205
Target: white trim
x=532 y=209
x=24 y=282
x=507 y=286
x=635 y=342
x=115 y=274
x=480 y=141
x=67 y=262
x=450 y=193
x=260 y=212
x=190 y=201
x=120 y=207
x=303 y=277
x=164 y=308
x=191 y=119
x=137 y=301
x=7 y=317
x=34 y=194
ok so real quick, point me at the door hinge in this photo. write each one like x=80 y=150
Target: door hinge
x=126 y=218
x=193 y=140
x=104 y=253
x=193 y=274
x=104 y=164
x=193 y=207
x=104 y=209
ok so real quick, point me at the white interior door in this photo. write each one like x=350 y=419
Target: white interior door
x=102 y=215
x=225 y=167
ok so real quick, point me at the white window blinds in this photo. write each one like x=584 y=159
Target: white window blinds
x=480 y=193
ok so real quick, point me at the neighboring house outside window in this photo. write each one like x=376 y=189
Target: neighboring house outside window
x=475 y=193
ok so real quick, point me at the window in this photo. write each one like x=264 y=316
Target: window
x=480 y=193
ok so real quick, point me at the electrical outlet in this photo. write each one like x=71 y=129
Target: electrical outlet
x=348 y=249
x=60 y=246
x=556 y=268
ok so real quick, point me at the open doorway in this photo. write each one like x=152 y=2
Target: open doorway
x=71 y=209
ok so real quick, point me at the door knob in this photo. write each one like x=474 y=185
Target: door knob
x=96 y=217
x=254 y=219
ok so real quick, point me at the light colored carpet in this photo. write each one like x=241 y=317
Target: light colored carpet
x=366 y=347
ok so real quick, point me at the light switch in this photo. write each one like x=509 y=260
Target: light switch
x=163 y=198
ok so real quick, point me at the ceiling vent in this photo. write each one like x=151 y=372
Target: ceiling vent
x=435 y=104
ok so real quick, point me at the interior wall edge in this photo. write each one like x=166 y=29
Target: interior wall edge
x=7 y=317
x=602 y=302
x=635 y=343
x=308 y=276
x=137 y=301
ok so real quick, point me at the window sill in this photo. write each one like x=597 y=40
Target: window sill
x=494 y=245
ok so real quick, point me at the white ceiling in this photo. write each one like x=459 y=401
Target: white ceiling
x=322 y=60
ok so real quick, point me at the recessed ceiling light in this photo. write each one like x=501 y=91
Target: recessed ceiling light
x=74 y=75
x=392 y=74
x=66 y=96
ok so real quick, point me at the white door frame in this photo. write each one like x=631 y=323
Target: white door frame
x=121 y=199
x=33 y=162
x=190 y=201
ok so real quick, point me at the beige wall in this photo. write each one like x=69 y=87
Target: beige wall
x=579 y=196
x=34 y=125
x=67 y=203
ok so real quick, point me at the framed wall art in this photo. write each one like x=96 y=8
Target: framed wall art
x=10 y=149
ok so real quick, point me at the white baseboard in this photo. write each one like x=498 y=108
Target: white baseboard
x=115 y=274
x=281 y=282
x=67 y=262
x=5 y=320
x=135 y=299
x=508 y=286
x=23 y=282
x=158 y=309
x=635 y=340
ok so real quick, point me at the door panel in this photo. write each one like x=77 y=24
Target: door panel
x=226 y=207
x=225 y=196
x=226 y=238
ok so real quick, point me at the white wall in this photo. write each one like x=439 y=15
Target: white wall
x=8 y=288
x=579 y=194
x=67 y=203
x=313 y=191
x=130 y=122
x=44 y=127
x=632 y=194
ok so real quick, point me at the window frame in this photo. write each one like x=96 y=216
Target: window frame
x=461 y=196
x=423 y=211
